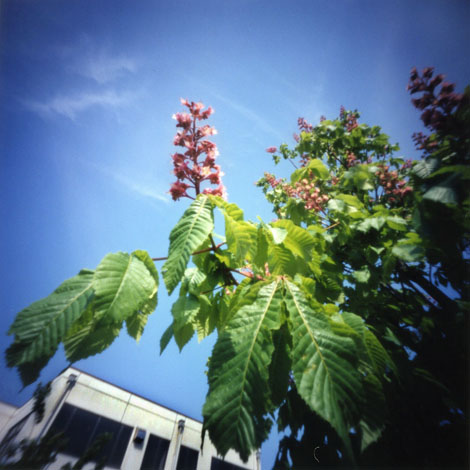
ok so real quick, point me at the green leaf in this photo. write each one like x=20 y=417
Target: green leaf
x=192 y=280
x=279 y=234
x=166 y=338
x=123 y=285
x=324 y=365
x=229 y=208
x=443 y=193
x=397 y=223
x=424 y=168
x=281 y=364
x=362 y=275
x=298 y=240
x=147 y=260
x=371 y=222
x=373 y=413
x=351 y=200
x=408 y=252
x=462 y=170
x=238 y=375
x=184 y=312
x=135 y=324
x=208 y=316
x=41 y=326
x=88 y=337
x=29 y=371
x=187 y=235
x=373 y=353
x=241 y=238
x=359 y=177
x=318 y=168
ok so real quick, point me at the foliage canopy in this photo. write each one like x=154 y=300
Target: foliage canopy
x=344 y=319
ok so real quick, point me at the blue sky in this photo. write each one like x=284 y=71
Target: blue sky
x=87 y=90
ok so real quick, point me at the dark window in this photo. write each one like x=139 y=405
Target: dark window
x=187 y=459
x=219 y=464
x=82 y=427
x=155 y=453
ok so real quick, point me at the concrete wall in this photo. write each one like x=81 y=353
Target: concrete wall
x=6 y=413
x=112 y=402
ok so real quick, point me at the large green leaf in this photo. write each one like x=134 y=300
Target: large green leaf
x=241 y=238
x=375 y=363
x=281 y=365
x=298 y=240
x=40 y=327
x=229 y=208
x=187 y=235
x=135 y=324
x=324 y=365
x=184 y=312
x=373 y=413
x=408 y=252
x=28 y=371
x=123 y=284
x=444 y=193
x=238 y=374
x=88 y=337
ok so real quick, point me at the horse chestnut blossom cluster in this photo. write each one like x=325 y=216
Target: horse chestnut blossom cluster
x=437 y=107
x=349 y=118
x=303 y=189
x=394 y=186
x=197 y=163
x=304 y=125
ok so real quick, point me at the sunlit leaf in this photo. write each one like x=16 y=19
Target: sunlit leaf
x=187 y=235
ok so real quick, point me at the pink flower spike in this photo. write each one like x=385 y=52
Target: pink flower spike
x=196 y=108
x=184 y=102
x=271 y=149
x=205 y=114
x=178 y=190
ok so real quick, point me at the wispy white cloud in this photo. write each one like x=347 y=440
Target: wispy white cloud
x=132 y=182
x=87 y=59
x=248 y=114
x=73 y=104
x=103 y=67
x=139 y=188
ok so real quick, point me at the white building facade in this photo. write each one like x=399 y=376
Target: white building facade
x=145 y=435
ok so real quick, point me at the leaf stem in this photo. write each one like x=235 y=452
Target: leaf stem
x=332 y=225
x=205 y=250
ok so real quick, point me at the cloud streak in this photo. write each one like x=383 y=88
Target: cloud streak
x=71 y=105
x=103 y=68
x=131 y=183
x=249 y=114
x=138 y=188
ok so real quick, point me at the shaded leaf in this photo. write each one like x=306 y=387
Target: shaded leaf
x=184 y=312
x=408 y=252
x=88 y=337
x=238 y=375
x=135 y=324
x=166 y=338
x=41 y=326
x=324 y=365
x=280 y=366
